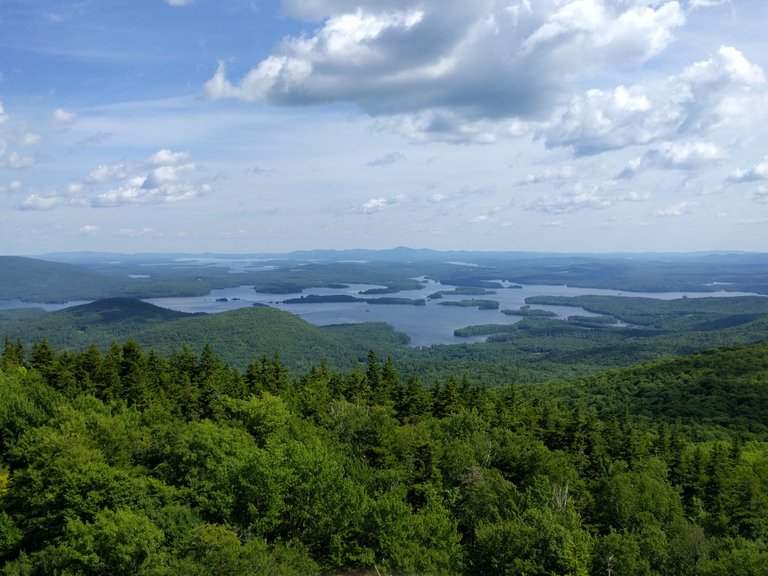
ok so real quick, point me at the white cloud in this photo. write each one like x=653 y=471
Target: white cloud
x=3 y=115
x=30 y=139
x=105 y=172
x=16 y=161
x=439 y=197
x=638 y=32
x=178 y=3
x=548 y=175
x=443 y=125
x=707 y=3
x=90 y=229
x=676 y=210
x=61 y=116
x=756 y=173
x=38 y=202
x=580 y=197
x=140 y=191
x=636 y=196
x=378 y=204
x=724 y=90
x=374 y=205
x=675 y=156
x=13 y=186
x=163 y=178
x=486 y=217
x=450 y=69
x=164 y=157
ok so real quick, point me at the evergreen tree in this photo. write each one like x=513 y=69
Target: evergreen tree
x=12 y=356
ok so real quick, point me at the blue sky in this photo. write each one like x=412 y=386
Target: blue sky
x=267 y=126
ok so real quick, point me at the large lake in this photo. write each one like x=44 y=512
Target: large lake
x=426 y=325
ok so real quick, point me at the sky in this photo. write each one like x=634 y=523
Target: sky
x=252 y=126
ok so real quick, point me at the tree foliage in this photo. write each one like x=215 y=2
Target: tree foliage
x=132 y=462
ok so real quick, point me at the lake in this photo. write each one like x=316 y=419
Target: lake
x=426 y=325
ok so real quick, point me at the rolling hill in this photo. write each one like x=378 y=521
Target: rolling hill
x=33 y=280
x=238 y=336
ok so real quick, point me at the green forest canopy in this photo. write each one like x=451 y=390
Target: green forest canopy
x=131 y=462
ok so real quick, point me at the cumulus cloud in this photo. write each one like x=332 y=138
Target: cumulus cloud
x=560 y=174
x=61 y=116
x=165 y=157
x=90 y=230
x=3 y=115
x=162 y=179
x=149 y=190
x=579 y=197
x=105 y=172
x=165 y=177
x=16 y=161
x=378 y=204
x=724 y=90
x=178 y=3
x=30 y=139
x=676 y=210
x=756 y=173
x=445 y=65
x=387 y=159
x=41 y=202
x=674 y=156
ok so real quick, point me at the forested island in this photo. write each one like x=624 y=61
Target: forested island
x=628 y=437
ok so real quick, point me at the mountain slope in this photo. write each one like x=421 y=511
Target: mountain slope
x=34 y=280
x=97 y=323
x=243 y=335
x=725 y=387
x=238 y=336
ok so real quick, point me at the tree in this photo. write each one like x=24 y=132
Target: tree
x=12 y=356
x=42 y=357
x=134 y=380
x=118 y=542
x=539 y=542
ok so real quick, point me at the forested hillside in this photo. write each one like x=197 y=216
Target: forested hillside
x=240 y=335
x=36 y=280
x=535 y=349
x=133 y=462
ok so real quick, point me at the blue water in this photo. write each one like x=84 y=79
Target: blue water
x=426 y=325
